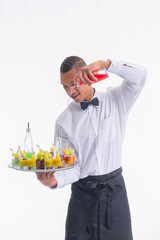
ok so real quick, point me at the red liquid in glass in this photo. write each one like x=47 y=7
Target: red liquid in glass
x=98 y=76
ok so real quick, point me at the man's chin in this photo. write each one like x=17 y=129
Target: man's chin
x=77 y=98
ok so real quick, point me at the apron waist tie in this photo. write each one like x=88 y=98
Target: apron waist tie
x=108 y=188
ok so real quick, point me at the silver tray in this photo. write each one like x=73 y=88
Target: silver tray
x=66 y=167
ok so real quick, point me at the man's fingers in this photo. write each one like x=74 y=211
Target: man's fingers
x=78 y=77
x=92 y=76
x=75 y=78
x=49 y=175
x=85 y=77
x=43 y=175
x=81 y=78
x=40 y=175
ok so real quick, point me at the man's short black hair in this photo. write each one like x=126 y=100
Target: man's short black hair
x=70 y=62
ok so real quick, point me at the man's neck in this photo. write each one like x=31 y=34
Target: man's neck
x=90 y=95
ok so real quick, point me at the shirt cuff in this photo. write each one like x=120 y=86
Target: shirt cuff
x=115 y=66
x=60 y=181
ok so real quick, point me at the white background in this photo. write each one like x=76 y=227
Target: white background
x=35 y=37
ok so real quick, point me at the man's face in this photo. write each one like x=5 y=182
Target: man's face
x=78 y=94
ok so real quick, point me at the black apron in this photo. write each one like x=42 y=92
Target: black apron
x=99 y=209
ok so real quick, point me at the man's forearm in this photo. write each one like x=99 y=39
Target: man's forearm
x=105 y=64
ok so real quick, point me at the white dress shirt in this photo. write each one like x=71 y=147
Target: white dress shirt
x=97 y=133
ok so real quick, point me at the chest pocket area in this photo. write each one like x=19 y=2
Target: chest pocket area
x=106 y=130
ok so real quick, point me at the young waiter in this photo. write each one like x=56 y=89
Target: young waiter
x=94 y=125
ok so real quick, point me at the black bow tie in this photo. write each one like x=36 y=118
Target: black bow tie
x=94 y=101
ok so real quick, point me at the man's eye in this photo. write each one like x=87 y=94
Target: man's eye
x=65 y=86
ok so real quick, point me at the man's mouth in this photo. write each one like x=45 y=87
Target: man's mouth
x=75 y=96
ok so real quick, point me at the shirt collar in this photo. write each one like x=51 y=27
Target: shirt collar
x=96 y=94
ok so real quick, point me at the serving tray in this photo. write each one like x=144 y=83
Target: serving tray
x=66 y=167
